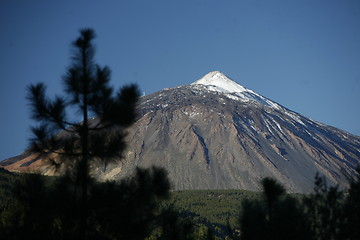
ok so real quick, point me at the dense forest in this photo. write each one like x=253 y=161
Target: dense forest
x=31 y=206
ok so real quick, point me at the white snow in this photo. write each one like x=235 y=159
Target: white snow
x=278 y=125
x=218 y=82
x=267 y=124
x=295 y=117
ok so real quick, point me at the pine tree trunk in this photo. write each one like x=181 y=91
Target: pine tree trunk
x=84 y=166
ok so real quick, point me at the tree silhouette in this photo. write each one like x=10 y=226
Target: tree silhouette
x=129 y=209
x=352 y=210
x=79 y=144
x=324 y=210
x=327 y=213
x=272 y=192
x=43 y=207
x=275 y=216
x=173 y=227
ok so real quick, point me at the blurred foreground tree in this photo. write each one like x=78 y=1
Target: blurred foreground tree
x=79 y=144
x=75 y=205
x=43 y=207
x=275 y=216
x=352 y=210
x=327 y=213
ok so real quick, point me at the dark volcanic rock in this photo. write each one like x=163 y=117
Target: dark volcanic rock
x=209 y=140
x=215 y=134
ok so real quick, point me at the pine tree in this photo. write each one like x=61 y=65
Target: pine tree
x=275 y=216
x=78 y=144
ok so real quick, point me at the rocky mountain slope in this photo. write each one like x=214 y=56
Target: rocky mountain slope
x=216 y=134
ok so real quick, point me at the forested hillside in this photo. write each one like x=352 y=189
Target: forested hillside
x=205 y=210
x=215 y=209
x=327 y=213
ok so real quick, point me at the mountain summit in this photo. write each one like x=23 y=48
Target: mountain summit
x=216 y=134
x=220 y=82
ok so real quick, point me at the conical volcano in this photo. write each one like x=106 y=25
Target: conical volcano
x=216 y=134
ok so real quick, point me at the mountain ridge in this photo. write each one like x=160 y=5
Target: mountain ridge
x=268 y=125
x=210 y=137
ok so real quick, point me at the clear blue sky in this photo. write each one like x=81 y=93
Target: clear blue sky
x=302 y=54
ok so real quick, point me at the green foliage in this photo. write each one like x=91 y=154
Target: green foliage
x=46 y=208
x=172 y=226
x=274 y=216
x=21 y=204
x=211 y=210
x=135 y=209
x=352 y=210
x=328 y=213
x=324 y=210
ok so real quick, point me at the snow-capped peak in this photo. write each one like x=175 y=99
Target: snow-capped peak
x=220 y=82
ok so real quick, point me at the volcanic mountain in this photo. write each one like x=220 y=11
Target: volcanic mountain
x=216 y=134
